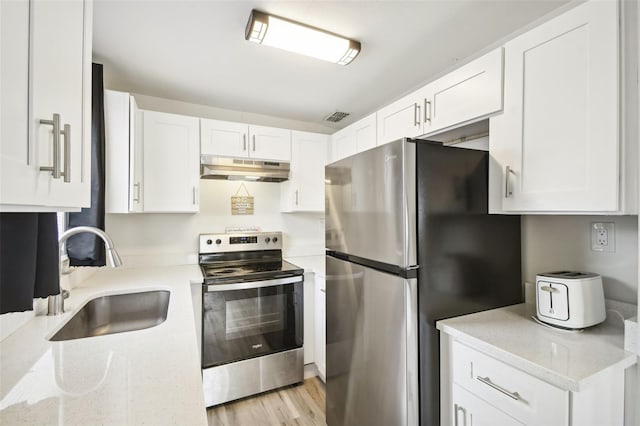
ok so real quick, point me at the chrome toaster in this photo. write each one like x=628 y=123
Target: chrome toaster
x=570 y=299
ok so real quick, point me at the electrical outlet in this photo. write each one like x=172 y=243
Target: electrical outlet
x=603 y=236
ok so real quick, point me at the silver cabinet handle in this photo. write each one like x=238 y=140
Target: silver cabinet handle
x=487 y=381
x=195 y=190
x=508 y=190
x=136 y=192
x=244 y=142
x=296 y=197
x=254 y=143
x=55 y=167
x=427 y=116
x=67 y=153
x=457 y=408
x=416 y=114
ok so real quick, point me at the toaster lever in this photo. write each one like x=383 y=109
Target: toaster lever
x=548 y=289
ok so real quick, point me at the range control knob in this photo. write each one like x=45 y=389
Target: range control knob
x=275 y=239
x=209 y=242
x=218 y=241
x=266 y=240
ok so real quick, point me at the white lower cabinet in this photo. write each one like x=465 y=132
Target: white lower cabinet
x=512 y=392
x=477 y=389
x=320 y=327
x=469 y=410
x=308 y=310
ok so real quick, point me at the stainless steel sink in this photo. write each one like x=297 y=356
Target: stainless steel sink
x=116 y=314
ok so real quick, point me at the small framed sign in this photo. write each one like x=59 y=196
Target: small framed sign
x=242 y=204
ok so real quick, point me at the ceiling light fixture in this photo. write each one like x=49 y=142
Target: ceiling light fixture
x=299 y=38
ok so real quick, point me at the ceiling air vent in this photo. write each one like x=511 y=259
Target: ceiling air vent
x=336 y=116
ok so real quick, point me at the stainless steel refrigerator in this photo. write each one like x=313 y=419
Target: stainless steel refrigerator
x=409 y=242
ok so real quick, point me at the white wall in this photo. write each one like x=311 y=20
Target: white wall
x=564 y=242
x=141 y=237
x=203 y=111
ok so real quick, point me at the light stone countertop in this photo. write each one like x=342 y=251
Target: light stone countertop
x=149 y=376
x=568 y=360
x=313 y=264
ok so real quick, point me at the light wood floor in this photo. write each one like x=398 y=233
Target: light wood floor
x=302 y=404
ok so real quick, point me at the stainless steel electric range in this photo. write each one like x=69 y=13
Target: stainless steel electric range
x=252 y=316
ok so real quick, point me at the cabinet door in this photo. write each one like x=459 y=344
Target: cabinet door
x=403 y=118
x=343 y=144
x=57 y=40
x=18 y=176
x=365 y=133
x=171 y=162
x=557 y=143
x=270 y=143
x=467 y=409
x=224 y=138
x=305 y=189
x=309 y=326
x=320 y=327
x=116 y=131
x=469 y=93
x=136 y=157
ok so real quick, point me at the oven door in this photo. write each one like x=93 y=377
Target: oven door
x=249 y=319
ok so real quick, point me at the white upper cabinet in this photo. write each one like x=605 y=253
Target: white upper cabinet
x=556 y=148
x=365 y=133
x=343 y=144
x=171 y=170
x=45 y=114
x=152 y=159
x=403 y=118
x=231 y=139
x=356 y=137
x=304 y=191
x=123 y=153
x=468 y=94
x=270 y=143
x=224 y=138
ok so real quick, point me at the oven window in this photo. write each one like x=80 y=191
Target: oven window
x=255 y=316
x=242 y=324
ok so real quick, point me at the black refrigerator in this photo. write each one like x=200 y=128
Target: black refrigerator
x=409 y=242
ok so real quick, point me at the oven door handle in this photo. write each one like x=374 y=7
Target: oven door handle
x=254 y=284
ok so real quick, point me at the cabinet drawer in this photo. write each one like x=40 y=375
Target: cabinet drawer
x=470 y=410
x=523 y=397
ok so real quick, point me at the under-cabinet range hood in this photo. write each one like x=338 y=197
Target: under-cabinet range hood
x=223 y=168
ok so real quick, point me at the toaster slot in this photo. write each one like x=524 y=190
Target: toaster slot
x=553 y=300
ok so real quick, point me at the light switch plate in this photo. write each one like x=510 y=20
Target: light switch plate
x=603 y=237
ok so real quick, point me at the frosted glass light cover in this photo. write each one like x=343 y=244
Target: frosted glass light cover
x=299 y=38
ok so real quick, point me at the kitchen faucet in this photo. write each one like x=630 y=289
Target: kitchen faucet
x=56 y=302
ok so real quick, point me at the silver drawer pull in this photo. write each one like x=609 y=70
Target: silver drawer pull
x=487 y=381
x=67 y=153
x=508 y=190
x=55 y=167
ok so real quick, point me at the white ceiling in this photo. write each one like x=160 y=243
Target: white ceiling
x=195 y=51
